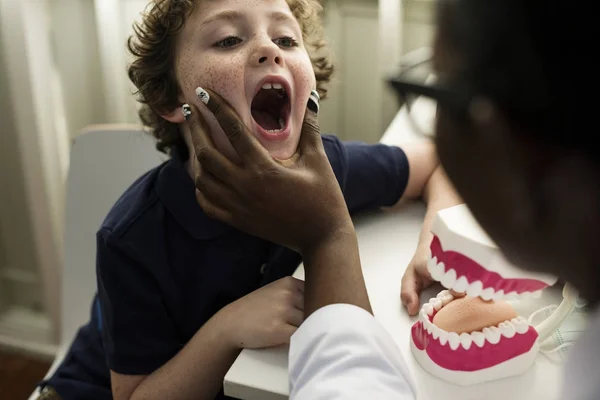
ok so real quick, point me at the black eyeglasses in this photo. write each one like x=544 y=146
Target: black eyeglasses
x=422 y=100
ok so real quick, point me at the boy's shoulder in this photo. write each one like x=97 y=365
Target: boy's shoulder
x=162 y=197
x=137 y=200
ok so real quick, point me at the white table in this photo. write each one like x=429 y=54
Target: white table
x=387 y=242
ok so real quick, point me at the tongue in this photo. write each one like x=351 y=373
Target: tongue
x=266 y=120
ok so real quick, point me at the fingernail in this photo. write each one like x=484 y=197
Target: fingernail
x=313 y=101
x=202 y=95
x=315 y=94
x=186 y=110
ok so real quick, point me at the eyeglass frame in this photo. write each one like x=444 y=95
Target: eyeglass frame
x=454 y=100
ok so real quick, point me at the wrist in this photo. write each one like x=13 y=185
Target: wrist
x=224 y=330
x=340 y=238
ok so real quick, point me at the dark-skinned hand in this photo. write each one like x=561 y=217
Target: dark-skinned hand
x=297 y=202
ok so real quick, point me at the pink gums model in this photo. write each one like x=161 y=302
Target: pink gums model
x=463 y=258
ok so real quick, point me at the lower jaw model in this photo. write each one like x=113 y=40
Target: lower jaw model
x=475 y=337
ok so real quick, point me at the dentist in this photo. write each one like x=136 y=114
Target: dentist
x=513 y=136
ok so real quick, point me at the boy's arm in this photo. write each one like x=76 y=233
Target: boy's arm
x=428 y=181
x=144 y=348
x=264 y=318
x=196 y=372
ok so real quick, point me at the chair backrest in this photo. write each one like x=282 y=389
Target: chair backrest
x=105 y=160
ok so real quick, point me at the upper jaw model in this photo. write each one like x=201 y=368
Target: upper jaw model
x=478 y=337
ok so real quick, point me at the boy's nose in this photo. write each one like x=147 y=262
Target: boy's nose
x=265 y=59
x=268 y=54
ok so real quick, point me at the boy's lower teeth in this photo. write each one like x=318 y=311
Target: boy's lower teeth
x=281 y=126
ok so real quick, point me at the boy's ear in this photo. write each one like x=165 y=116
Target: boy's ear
x=175 y=116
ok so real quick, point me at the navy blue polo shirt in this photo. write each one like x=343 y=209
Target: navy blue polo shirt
x=164 y=267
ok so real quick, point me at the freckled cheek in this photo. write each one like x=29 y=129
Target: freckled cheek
x=221 y=76
x=224 y=77
x=305 y=82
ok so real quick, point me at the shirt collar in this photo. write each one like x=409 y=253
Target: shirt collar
x=176 y=190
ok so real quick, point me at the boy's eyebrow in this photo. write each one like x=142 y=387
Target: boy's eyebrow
x=230 y=15
x=280 y=16
x=233 y=15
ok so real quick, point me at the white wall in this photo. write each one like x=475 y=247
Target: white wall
x=75 y=47
x=37 y=147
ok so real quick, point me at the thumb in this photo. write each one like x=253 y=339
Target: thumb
x=412 y=284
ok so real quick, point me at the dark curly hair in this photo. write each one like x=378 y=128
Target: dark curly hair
x=153 y=48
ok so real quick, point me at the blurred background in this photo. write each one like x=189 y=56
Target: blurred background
x=63 y=67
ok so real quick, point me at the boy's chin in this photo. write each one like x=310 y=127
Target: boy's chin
x=282 y=150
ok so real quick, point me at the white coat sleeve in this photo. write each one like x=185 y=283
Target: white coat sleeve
x=342 y=352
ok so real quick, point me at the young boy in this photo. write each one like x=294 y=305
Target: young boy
x=180 y=294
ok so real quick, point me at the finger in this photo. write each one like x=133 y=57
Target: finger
x=299 y=284
x=207 y=154
x=311 y=133
x=411 y=288
x=286 y=333
x=200 y=132
x=245 y=144
x=298 y=300
x=212 y=209
x=215 y=163
x=295 y=317
x=217 y=192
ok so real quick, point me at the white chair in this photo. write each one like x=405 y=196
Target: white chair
x=104 y=161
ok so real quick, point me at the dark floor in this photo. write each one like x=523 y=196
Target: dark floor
x=19 y=374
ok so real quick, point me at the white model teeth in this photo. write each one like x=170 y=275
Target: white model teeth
x=436 y=332
x=436 y=270
x=507 y=329
x=445 y=296
x=449 y=278
x=436 y=303
x=521 y=324
x=460 y=284
x=492 y=334
x=428 y=308
x=453 y=340
x=478 y=338
x=487 y=294
x=475 y=289
x=499 y=295
x=465 y=340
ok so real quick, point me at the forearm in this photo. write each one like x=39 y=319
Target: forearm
x=197 y=371
x=437 y=194
x=334 y=274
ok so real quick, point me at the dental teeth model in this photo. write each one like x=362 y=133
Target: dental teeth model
x=478 y=337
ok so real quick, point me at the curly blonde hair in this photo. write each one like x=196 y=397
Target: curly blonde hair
x=152 y=70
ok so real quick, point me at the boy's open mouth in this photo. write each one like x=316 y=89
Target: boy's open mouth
x=271 y=108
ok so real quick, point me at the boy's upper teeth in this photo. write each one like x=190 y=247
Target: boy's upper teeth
x=277 y=86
